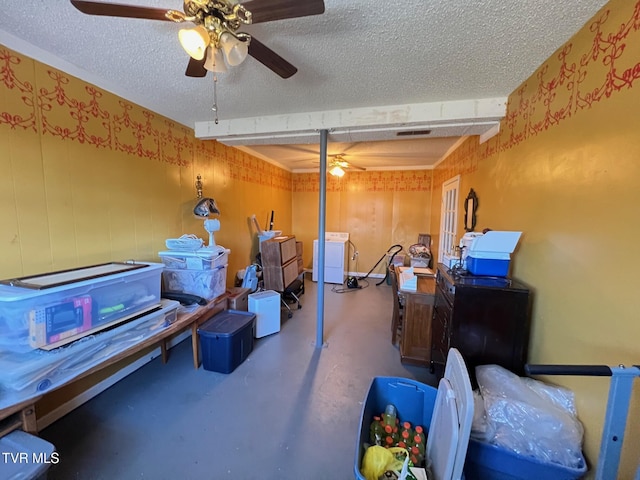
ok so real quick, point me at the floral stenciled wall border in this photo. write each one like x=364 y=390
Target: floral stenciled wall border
x=46 y=101
x=572 y=81
x=375 y=181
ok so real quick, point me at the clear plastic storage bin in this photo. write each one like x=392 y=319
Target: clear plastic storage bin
x=202 y=259
x=51 y=309
x=207 y=284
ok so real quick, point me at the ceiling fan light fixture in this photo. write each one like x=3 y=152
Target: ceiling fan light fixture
x=235 y=50
x=215 y=61
x=336 y=171
x=194 y=41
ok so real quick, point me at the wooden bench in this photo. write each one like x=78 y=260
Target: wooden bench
x=22 y=415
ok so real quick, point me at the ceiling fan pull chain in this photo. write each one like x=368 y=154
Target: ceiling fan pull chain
x=215 y=97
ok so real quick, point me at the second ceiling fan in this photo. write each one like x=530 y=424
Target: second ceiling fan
x=214 y=41
x=337 y=165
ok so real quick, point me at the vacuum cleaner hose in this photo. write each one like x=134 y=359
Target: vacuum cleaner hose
x=393 y=250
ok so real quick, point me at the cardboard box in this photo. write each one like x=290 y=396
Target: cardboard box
x=239 y=298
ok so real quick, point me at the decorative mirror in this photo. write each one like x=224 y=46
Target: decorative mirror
x=470 y=207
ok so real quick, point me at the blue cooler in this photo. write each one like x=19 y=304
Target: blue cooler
x=495 y=267
x=490 y=254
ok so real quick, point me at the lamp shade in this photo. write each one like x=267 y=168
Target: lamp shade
x=215 y=61
x=205 y=207
x=235 y=51
x=194 y=41
x=336 y=171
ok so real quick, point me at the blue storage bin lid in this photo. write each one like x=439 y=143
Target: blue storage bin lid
x=226 y=323
x=38 y=455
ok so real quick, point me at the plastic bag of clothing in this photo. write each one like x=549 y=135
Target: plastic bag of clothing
x=378 y=461
x=529 y=417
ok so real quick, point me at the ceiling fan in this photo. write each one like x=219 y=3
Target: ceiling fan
x=337 y=165
x=214 y=41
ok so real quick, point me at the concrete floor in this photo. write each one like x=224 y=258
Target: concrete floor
x=290 y=411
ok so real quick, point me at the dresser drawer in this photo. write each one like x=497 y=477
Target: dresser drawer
x=279 y=278
x=278 y=251
x=445 y=288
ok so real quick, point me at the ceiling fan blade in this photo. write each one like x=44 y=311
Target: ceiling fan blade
x=270 y=10
x=355 y=167
x=270 y=59
x=119 y=10
x=195 y=68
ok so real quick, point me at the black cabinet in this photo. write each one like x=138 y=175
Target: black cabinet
x=486 y=318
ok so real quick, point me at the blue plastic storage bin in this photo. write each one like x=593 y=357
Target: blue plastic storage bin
x=25 y=456
x=491 y=462
x=414 y=402
x=487 y=266
x=226 y=340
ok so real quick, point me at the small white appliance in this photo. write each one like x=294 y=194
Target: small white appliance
x=465 y=245
x=336 y=259
x=266 y=306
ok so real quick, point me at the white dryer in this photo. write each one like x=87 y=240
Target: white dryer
x=336 y=257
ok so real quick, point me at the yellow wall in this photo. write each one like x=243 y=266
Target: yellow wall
x=565 y=171
x=105 y=180
x=87 y=178
x=378 y=209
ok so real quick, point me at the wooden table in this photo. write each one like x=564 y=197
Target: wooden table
x=22 y=415
x=194 y=320
x=415 y=338
x=19 y=416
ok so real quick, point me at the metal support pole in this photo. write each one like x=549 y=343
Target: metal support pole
x=321 y=232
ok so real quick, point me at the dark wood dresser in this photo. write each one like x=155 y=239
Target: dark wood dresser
x=486 y=318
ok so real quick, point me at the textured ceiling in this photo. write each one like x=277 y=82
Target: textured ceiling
x=359 y=54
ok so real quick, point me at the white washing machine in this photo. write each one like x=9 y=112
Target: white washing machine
x=336 y=257
x=266 y=306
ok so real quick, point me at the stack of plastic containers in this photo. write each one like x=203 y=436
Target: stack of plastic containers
x=201 y=272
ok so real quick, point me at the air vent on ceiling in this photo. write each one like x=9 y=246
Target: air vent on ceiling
x=410 y=133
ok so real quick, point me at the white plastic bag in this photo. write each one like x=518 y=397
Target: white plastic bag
x=530 y=417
